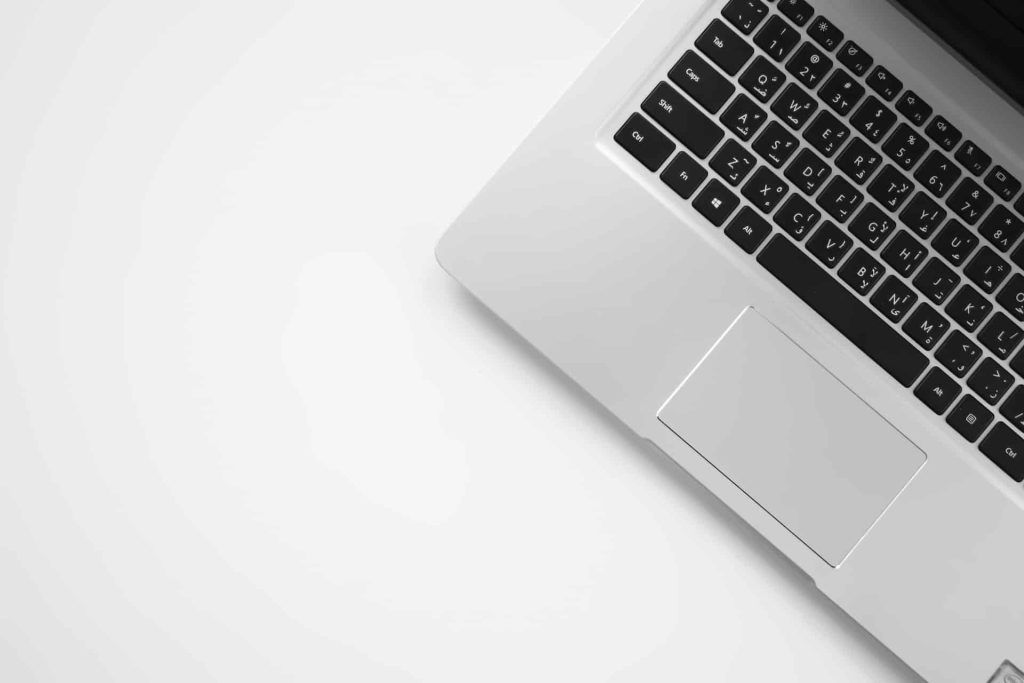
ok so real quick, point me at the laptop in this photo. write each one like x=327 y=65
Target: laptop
x=782 y=242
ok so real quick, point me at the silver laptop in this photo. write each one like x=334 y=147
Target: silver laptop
x=782 y=241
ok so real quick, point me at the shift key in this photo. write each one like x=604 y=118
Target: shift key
x=683 y=119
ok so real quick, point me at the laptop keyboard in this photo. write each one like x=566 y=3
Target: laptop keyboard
x=856 y=195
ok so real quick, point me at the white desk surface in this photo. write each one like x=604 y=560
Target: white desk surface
x=251 y=432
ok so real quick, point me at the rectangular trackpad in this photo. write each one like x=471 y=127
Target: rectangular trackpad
x=792 y=436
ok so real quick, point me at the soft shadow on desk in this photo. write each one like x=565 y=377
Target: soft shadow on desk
x=726 y=518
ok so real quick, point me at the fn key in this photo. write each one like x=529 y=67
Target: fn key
x=646 y=143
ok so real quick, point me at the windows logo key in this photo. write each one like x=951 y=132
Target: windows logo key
x=1008 y=673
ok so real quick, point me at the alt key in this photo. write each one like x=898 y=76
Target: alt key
x=937 y=391
x=748 y=230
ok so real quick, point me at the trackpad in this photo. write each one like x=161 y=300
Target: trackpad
x=792 y=436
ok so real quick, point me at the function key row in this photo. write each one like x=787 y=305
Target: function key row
x=914 y=108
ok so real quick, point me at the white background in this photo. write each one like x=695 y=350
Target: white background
x=249 y=431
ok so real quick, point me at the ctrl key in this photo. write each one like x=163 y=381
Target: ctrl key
x=646 y=143
x=1006 y=449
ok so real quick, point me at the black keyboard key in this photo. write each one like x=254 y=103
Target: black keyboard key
x=938 y=174
x=937 y=391
x=904 y=253
x=890 y=188
x=840 y=199
x=905 y=146
x=829 y=244
x=715 y=202
x=1018 y=255
x=762 y=79
x=1002 y=228
x=808 y=171
x=969 y=418
x=958 y=353
x=851 y=317
x=1013 y=408
x=765 y=190
x=1019 y=205
x=724 y=47
x=936 y=281
x=733 y=162
x=798 y=11
x=969 y=307
x=700 y=81
x=743 y=117
x=861 y=271
x=990 y=381
x=809 y=65
x=1012 y=297
x=683 y=119
x=826 y=133
x=955 y=243
x=1006 y=449
x=943 y=133
x=893 y=299
x=797 y=217
x=923 y=215
x=884 y=83
x=1000 y=336
x=1017 y=364
x=858 y=161
x=684 y=175
x=647 y=144
x=969 y=201
x=872 y=226
x=825 y=33
x=973 y=158
x=873 y=119
x=926 y=326
x=794 y=106
x=854 y=58
x=1000 y=181
x=987 y=270
x=777 y=38
x=775 y=145
x=841 y=92
x=914 y=108
x=745 y=15
x=748 y=230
